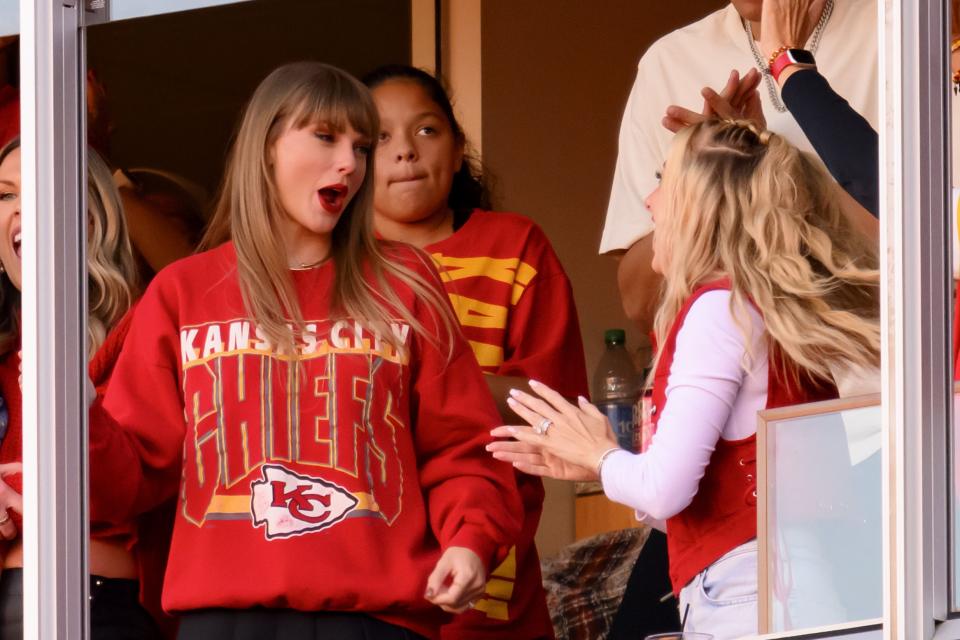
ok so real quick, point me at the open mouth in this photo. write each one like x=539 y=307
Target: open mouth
x=333 y=197
x=16 y=243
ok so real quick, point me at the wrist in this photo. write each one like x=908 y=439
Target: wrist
x=602 y=458
x=775 y=53
x=789 y=58
x=462 y=550
x=789 y=71
x=475 y=539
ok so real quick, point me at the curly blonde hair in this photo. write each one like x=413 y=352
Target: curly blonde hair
x=113 y=281
x=747 y=205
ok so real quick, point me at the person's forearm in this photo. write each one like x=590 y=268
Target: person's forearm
x=843 y=139
x=639 y=284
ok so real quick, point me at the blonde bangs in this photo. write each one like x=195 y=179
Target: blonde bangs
x=337 y=105
x=113 y=281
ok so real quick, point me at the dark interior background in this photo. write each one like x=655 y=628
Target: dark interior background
x=175 y=83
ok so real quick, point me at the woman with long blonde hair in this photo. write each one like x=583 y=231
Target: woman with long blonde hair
x=329 y=416
x=115 y=609
x=767 y=289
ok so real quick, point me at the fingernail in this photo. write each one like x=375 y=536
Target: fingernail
x=488 y=447
x=535 y=383
x=428 y=593
x=583 y=400
x=514 y=392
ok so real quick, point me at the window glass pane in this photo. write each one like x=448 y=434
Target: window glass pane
x=123 y=9
x=820 y=515
x=9 y=17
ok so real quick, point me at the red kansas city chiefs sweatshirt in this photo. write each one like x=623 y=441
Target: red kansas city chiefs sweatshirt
x=328 y=484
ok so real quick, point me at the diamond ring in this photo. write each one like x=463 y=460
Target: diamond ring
x=541 y=427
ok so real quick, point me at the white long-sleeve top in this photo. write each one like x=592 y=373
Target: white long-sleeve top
x=710 y=395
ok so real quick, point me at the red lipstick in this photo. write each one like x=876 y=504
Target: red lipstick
x=333 y=197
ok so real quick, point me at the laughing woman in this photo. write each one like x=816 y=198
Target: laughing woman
x=329 y=415
x=766 y=286
x=115 y=610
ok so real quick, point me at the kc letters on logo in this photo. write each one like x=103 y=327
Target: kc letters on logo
x=290 y=504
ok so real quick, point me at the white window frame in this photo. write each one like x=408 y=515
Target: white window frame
x=55 y=582
x=915 y=313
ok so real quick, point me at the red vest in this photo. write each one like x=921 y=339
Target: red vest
x=723 y=514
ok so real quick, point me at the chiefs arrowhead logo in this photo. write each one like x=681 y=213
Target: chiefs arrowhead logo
x=289 y=504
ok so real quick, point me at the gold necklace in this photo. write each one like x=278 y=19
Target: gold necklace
x=303 y=266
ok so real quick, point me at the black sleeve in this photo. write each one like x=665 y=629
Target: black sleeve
x=842 y=138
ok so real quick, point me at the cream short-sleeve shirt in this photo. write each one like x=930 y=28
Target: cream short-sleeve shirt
x=677 y=66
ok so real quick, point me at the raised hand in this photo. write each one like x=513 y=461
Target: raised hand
x=739 y=100
x=531 y=459
x=788 y=23
x=560 y=432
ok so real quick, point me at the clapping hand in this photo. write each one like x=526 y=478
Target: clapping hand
x=563 y=441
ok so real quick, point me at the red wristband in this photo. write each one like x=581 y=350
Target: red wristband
x=787 y=58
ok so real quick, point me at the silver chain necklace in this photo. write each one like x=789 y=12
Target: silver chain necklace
x=765 y=68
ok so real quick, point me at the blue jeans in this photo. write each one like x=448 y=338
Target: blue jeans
x=723 y=597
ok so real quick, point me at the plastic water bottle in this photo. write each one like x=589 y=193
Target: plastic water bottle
x=616 y=388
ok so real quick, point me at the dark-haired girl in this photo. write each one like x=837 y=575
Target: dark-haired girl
x=512 y=298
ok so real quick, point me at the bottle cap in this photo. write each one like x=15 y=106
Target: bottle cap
x=614 y=336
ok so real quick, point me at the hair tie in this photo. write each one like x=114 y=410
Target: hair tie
x=763 y=135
